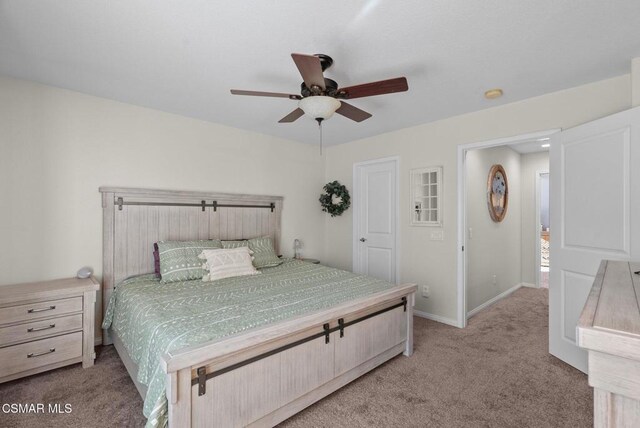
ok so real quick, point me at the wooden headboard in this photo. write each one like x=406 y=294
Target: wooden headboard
x=134 y=219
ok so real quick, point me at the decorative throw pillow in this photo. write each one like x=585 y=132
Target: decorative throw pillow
x=179 y=259
x=227 y=263
x=264 y=255
x=235 y=244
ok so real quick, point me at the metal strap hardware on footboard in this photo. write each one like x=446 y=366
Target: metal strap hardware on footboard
x=120 y=202
x=203 y=376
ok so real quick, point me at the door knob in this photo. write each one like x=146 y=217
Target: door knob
x=363 y=239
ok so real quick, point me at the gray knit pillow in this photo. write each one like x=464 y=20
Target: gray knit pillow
x=235 y=244
x=179 y=259
x=264 y=255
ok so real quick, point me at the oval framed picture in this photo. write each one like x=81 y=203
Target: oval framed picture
x=497 y=193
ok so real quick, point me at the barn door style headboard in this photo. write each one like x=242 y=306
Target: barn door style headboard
x=134 y=219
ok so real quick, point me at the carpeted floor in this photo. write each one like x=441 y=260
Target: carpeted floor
x=495 y=373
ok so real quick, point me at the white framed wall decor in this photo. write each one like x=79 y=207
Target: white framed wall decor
x=426 y=196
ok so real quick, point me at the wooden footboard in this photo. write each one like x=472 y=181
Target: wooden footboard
x=264 y=376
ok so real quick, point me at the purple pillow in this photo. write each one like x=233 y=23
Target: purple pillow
x=156 y=260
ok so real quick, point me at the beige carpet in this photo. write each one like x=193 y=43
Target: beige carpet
x=494 y=373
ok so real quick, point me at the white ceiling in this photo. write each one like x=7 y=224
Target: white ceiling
x=526 y=147
x=183 y=56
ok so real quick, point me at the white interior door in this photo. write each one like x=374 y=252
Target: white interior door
x=595 y=215
x=375 y=219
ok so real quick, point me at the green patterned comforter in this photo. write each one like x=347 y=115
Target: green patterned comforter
x=152 y=318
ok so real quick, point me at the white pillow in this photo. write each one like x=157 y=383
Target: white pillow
x=227 y=262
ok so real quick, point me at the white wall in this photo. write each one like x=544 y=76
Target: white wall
x=531 y=163
x=545 y=220
x=57 y=147
x=434 y=262
x=493 y=248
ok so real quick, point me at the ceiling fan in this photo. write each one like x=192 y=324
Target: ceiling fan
x=320 y=97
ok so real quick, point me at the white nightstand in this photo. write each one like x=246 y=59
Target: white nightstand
x=46 y=325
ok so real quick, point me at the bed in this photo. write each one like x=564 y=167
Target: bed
x=246 y=351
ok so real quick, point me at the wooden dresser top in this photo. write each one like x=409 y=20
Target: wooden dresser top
x=610 y=320
x=45 y=289
x=618 y=303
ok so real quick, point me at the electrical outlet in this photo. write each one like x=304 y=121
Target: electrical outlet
x=495 y=280
x=426 y=292
x=437 y=235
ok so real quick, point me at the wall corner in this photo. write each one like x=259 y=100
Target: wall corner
x=635 y=82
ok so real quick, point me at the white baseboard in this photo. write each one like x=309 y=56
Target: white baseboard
x=528 y=284
x=494 y=300
x=438 y=318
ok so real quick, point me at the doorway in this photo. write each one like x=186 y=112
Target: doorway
x=376 y=208
x=584 y=232
x=502 y=282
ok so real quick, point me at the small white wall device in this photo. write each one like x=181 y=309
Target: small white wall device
x=85 y=272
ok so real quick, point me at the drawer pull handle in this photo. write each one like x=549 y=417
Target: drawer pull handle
x=32 y=329
x=31 y=355
x=50 y=308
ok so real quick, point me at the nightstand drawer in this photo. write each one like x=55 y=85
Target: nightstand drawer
x=40 y=310
x=31 y=355
x=39 y=329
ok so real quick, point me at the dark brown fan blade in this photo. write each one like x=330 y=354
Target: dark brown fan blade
x=265 y=94
x=292 y=117
x=353 y=113
x=310 y=69
x=399 y=84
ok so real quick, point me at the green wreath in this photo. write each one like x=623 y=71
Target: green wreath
x=341 y=202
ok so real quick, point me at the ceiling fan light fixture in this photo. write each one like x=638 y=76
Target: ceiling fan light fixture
x=320 y=96
x=319 y=106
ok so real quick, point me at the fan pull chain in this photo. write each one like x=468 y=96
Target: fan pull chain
x=320 y=128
